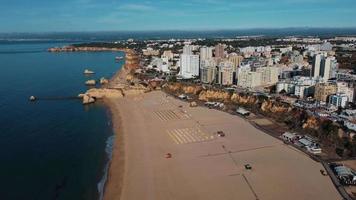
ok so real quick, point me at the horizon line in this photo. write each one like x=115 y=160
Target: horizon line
x=180 y=30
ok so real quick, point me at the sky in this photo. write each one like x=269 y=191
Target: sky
x=147 y=15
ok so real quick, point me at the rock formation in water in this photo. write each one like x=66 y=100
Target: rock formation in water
x=90 y=82
x=87 y=99
x=88 y=72
x=104 y=81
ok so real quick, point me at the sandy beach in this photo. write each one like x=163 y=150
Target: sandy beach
x=203 y=165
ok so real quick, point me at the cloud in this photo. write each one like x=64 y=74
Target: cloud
x=136 y=7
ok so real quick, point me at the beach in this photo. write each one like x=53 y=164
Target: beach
x=165 y=149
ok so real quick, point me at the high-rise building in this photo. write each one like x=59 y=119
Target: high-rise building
x=206 y=53
x=324 y=67
x=316 y=65
x=269 y=75
x=235 y=59
x=189 y=66
x=207 y=70
x=248 y=79
x=334 y=68
x=227 y=74
x=188 y=50
x=219 y=51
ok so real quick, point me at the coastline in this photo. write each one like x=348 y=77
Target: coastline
x=202 y=169
x=142 y=155
x=116 y=170
x=133 y=116
x=113 y=185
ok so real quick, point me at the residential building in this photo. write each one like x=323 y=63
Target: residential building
x=227 y=74
x=324 y=67
x=189 y=64
x=344 y=88
x=338 y=100
x=344 y=76
x=220 y=51
x=326 y=46
x=299 y=86
x=188 y=50
x=150 y=52
x=206 y=53
x=324 y=90
x=235 y=59
x=248 y=79
x=168 y=55
x=269 y=75
x=208 y=71
x=316 y=65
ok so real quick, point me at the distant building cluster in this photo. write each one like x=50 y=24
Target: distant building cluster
x=303 y=71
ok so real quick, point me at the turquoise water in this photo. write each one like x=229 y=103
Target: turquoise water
x=51 y=149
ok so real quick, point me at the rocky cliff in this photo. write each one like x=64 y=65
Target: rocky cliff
x=274 y=107
x=214 y=95
x=243 y=99
x=311 y=123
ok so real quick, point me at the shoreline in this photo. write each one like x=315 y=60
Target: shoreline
x=116 y=170
x=115 y=177
x=115 y=187
x=136 y=148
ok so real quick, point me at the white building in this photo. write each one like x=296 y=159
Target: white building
x=316 y=65
x=338 y=100
x=324 y=67
x=189 y=66
x=188 y=50
x=269 y=75
x=206 y=53
x=326 y=46
x=248 y=79
x=343 y=87
x=286 y=49
x=299 y=86
x=168 y=55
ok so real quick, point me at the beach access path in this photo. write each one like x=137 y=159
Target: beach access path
x=203 y=165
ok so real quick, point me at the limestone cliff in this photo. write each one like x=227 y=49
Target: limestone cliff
x=187 y=89
x=214 y=95
x=240 y=99
x=311 y=123
x=273 y=107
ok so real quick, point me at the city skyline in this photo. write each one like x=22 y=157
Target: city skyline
x=126 y=15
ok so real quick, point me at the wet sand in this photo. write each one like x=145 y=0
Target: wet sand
x=203 y=165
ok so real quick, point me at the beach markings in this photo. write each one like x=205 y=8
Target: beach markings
x=189 y=135
x=168 y=115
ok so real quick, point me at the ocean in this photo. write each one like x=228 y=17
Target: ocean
x=52 y=149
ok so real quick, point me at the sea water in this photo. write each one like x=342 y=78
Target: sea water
x=52 y=149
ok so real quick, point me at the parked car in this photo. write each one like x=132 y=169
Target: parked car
x=248 y=167
x=220 y=134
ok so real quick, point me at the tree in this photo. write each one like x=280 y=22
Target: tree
x=283 y=92
x=328 y=130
